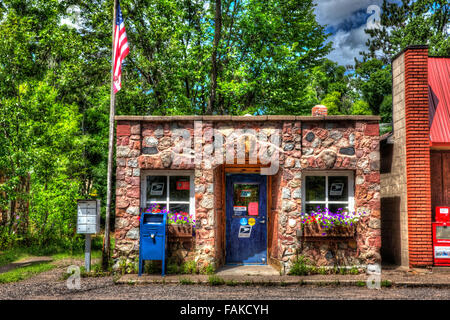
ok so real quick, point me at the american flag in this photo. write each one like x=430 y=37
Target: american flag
x=121 y=49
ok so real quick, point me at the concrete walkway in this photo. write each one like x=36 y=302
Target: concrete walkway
x=391 y=277
x=247 y=270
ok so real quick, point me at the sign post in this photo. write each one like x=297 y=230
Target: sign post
x=88 y=223
x=87 y=253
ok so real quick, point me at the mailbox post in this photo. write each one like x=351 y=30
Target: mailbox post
x=153 y=241
x=88 y=223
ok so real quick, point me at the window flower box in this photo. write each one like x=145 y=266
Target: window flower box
x=315 y=230
x=323 y=223
x=179 y=231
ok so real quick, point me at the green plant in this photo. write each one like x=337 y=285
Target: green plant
x=361 y=283
x=322 y=270
x=214 y=280
x=209 y=269
x=189 y=267
x=173 y=268
x=231 y=283
x=343 y=270
x=186 y=281
x=386 y=283
x=300 y=267
x=354 y=270
x=151 y=267
x=125 y=266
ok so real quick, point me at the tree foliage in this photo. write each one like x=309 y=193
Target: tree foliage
x=418 y=22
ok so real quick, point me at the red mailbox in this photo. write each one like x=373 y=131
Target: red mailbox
x=441 y=237
x=442 y=214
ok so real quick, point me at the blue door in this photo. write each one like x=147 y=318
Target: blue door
x=246 y=223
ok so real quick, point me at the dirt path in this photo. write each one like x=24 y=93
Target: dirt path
x=24 y=263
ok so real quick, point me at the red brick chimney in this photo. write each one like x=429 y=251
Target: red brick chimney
x=319 y=110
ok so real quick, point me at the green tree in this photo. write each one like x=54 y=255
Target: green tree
x=361 y=107
x=374 y=80
x=418 y=22
x=333 y=102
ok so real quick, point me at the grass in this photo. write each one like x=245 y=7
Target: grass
x=23 y=273
x=361 y=283
x=186 y=281
x=231 y=283
x=386 y=283
x=300 y=267
x=55 y=253
x=215 y=280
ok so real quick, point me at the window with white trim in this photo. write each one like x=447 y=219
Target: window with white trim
x=173 y=190
x=328 y=189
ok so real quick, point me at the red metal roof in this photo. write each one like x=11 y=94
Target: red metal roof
x=439 y=100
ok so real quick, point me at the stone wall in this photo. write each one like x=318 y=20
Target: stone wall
x=324 y=146
x=351 y=145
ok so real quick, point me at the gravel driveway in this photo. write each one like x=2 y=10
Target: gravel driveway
x=48 y=285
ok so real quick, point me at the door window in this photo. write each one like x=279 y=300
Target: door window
x=246 y=199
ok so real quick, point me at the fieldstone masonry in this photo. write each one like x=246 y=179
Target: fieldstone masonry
x=306 y=143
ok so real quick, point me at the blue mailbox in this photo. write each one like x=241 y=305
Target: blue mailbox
x=152 y=244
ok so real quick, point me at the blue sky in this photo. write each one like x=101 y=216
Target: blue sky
x=346 y=21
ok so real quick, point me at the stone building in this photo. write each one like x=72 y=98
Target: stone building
x=258 y=171
x=415 y=157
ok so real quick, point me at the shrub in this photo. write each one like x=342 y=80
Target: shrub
x=300 y=267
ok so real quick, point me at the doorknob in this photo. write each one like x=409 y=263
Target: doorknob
x=262 y=221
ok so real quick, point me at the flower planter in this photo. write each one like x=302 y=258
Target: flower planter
x=179 y=231
x=315 y=231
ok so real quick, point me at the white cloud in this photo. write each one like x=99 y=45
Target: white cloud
x=335 y=12
x=347 y=19
x=347 y=45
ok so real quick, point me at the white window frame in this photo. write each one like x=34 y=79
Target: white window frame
x=351 y=188
x=168 y=174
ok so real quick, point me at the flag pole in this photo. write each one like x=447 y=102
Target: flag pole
x=112 y=111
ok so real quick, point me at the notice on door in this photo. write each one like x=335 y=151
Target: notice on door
x=253 y=209
x=245 y=231
x=239 y=210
